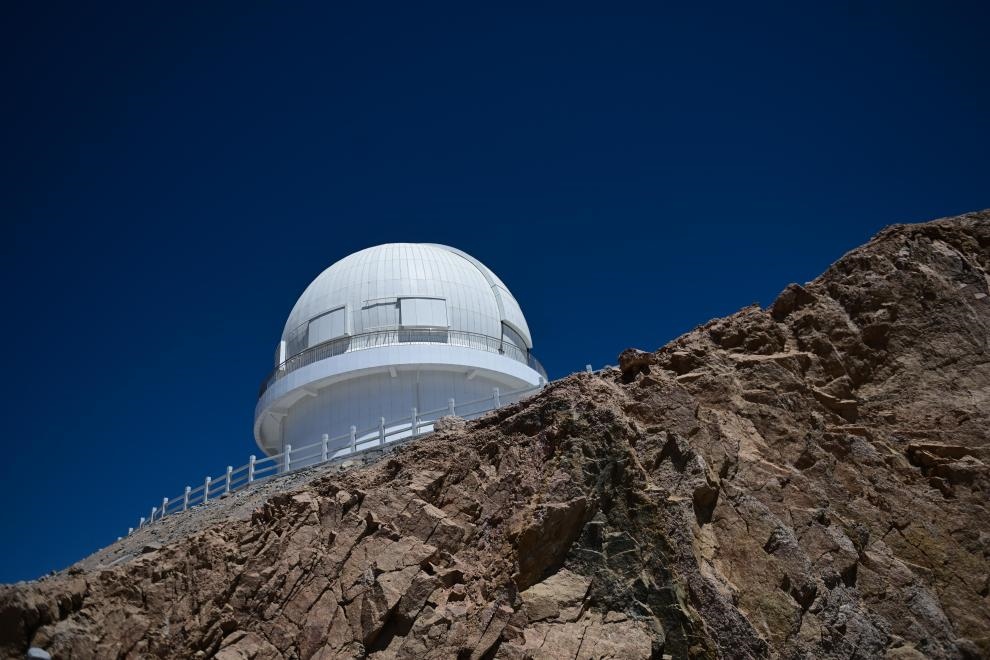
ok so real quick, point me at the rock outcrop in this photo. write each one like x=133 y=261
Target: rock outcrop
x=808 y=480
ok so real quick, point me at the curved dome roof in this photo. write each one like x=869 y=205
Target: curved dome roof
x=366 y=289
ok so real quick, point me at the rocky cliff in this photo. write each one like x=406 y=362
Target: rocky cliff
x=808 y=480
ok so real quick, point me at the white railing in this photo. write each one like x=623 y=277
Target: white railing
x=356 y=443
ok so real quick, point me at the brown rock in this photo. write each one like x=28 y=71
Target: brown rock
x=559 y=596
x=548 y=533
x=805 y=481
x=790 y=299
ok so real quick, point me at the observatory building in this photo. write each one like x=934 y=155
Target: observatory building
x=387 y=341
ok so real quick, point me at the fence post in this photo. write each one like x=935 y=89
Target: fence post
x=381 y=430
x=588 y=368
x=288 y=457
x=164 y=505
x=130 y=530
x=185 y=499
x=206 y=490
x=495 y=397
x=251 y=460
x=413 y=424
x=353 y=438
x=154 y=510
x=141 y=522
x=450 y=407
x=323 y=454
x=226 y=486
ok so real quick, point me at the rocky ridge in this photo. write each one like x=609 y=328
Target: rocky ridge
x=807 y=480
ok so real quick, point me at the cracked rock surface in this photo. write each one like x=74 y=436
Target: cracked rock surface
x=809 y=480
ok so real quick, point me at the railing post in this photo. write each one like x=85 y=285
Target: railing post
x=353 y=438
x=185 y=498
x=226 y=486
x=588 y=368
x=130 y=530
x=141 y=522
x=206 y=490
x=164 y=506
x=450 y=407
x=413 y=424
x=154 y=510
x=381 y=431
x=495 y=397
x=323 y=453
x=251 y=461
x=288 y=457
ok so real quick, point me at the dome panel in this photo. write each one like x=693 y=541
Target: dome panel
x=370 y=283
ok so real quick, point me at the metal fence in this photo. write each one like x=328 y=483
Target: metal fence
x=356 y=443
x=395 y=336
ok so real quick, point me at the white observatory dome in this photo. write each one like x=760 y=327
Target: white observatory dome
x=368 y=283
x=389 y=331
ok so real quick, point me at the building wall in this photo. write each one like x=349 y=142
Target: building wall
x=363 y=401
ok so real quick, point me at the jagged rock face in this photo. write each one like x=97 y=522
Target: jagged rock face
x=809 y=480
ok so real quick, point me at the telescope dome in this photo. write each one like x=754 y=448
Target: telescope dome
x=389 y=338
x=372 y=288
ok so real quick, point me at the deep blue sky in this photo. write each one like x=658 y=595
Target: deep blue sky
x=176 y=173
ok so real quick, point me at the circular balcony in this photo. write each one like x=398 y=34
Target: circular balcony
x=399 y=336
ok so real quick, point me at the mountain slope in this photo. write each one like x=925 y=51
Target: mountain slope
x=807 y=480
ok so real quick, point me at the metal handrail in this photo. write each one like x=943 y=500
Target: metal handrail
x=367 y=441
x=395 y=336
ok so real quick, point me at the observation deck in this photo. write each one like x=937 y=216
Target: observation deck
x=396 y=337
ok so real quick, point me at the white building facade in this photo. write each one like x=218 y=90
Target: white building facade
x=393 y=333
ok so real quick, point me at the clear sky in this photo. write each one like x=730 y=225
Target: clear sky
x=176 y=173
